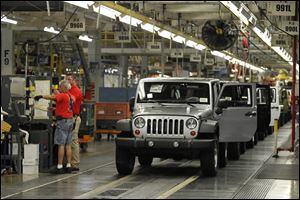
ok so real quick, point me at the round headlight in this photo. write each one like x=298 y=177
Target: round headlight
x=191 y=123
x=139 y=122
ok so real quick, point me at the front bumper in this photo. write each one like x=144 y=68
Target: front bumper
x=168 y=144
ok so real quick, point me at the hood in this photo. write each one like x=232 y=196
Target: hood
x=187 y=110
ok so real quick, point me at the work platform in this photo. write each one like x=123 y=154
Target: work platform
x=256 y=175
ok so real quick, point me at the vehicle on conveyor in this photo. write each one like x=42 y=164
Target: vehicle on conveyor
x=187 y=118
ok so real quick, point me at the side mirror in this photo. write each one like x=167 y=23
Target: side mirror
x=223 y=103
x=219 y=111
x=131 y=104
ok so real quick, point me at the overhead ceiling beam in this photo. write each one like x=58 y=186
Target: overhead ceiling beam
x=182 y=2
x=191 y=8
x=206 y=16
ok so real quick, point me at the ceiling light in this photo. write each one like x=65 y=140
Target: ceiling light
x=166 y=34
x=191 y=43
x=281 y=52
x=51 y=30
x=262 y=35
x=149 y=27
x=217 y=53
x=11 y=21
x=134 y=21
x=220 y=54
x=108 y=12
x=85 y=38
x=179 y=39
x=235 y=10
x=200 y=47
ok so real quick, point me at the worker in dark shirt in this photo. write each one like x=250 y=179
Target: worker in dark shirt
x=64 y=125
x=76 y=92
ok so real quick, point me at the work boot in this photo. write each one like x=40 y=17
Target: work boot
x=75 y=168
x=58 y=171
x=68 y=170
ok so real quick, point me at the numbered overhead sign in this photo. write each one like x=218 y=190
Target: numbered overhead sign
x=177 y=53
x=77 y=23
x=154 y=46
x=279 y=40
x=209 y=61
x=281 y=8
x=195 y=58
x=122 y=37
x=291 y=27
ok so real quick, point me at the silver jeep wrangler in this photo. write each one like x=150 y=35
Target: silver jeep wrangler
x=172 y=118
x=187 y=118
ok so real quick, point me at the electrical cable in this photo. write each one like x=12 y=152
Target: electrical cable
x=61 y=29
x=23 y=47
x=35 y=6
x=8 y=12
x=272 y=23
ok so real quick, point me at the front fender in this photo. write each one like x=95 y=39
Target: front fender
x=208 y=126
x=124 y=125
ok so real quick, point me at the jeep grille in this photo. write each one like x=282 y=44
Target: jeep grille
x=165 y=126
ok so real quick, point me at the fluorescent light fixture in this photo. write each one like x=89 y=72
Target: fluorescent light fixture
x=11 y=21
x=85 y=38
x=51 y=30
x=179 y=39
x=134 y=21
x=149 y=27
x=248 y=65
x=82 y=4
x=200 y=47
x=166 y=34
x=220 y=54
x=108 y=12
x=281 y=52
x=191 y=43
x=262 y=36
x=236 y=11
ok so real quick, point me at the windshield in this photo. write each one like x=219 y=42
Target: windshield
x=174 y=92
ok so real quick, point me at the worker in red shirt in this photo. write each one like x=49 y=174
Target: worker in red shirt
x=76 y=92
x=64 y=125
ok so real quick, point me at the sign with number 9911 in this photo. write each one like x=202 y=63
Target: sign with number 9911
x=281 y=8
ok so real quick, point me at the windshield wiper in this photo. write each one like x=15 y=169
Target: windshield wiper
x=189 y=103
x=154 y=101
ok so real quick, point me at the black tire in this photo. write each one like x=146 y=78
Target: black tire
x=124 y=161
x=145 y=161
x=255 y=138
x=250 y=144
x=261 y=135
x=209 y=161
x=233 y=151
x=266 y=132
x=270 y=130
x=98 y=137
x=83 y=147
x=242 y=147
x=222 y=157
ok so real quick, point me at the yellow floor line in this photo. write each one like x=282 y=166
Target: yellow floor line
x=178 y=187
x=102 y=188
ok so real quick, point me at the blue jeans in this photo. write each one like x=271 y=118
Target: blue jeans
x=63 y=132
